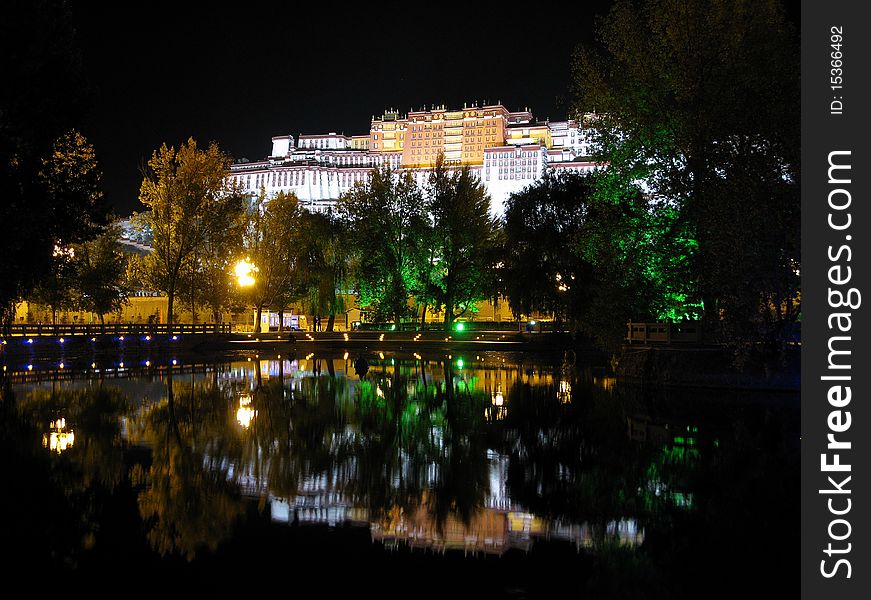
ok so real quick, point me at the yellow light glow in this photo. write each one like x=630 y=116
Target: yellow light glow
x=245 y=271
x=58 y=440
x=245 y=414
x=381 y=355
x=564 y=395
x=345 y=357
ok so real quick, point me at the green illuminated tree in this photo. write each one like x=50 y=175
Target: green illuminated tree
x=385 y=219
x=463 y=232
x=700 y=101
x=188 y=203
x=595 y=260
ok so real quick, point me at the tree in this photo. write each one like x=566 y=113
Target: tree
x=324 y=264
x=700 y=101
x=385 y=219
x=462 y=233
x=101 y=273
x=272 y=243
x=48 y=178
x=208 y=277
x=188 y=203
x=594 y=260
x=55 y=288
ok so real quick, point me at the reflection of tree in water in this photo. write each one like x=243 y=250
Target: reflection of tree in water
x=395 y=441
x=69 y=485
x=572 y=460
x=188 y=501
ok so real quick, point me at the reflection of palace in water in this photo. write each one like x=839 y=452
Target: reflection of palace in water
x=495 y=528
x=498 y=525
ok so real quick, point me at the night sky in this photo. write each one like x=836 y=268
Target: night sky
x=166 y=71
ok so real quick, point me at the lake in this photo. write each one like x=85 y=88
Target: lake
x=490 y=474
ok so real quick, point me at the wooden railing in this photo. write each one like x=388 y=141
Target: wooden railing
x=70 y=329
x=664 y=333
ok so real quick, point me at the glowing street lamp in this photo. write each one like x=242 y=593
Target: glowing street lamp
x=245 y=271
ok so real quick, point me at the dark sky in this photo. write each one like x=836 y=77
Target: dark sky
x=162 y=72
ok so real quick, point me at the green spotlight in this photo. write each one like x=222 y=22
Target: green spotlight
x=460 y=363
x=460 y=327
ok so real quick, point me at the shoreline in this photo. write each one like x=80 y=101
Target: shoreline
x=658 y=366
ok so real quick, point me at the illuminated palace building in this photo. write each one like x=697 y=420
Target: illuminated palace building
x=508 y=150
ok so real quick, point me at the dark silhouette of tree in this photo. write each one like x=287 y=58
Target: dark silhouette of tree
x=701 y=101
x=595 y=260
x=324 y=264
x=49 y=181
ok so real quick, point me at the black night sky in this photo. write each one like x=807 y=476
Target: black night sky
x=166 y=71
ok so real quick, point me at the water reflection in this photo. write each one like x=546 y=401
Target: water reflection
x=480 y=455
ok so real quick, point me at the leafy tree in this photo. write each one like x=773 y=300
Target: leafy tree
x=101 y=273
x=594 y=260
x=462 y=233
x=49 y=181
x=208 y=277
x=324 y=265
x=188 y=204
x=700 y=101
x=385 y=219
x=272 y=244
x=55 y=288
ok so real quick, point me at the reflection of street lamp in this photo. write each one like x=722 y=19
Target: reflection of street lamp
x=58 y=439
x=245 y=271
x=245 y=414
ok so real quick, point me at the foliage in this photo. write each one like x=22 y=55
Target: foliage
x=48 y=179
x=55 y=288
x=324 y=264
x=271 y=243
x=188 y=203
x=594 y=259
x=385 y=219
x=208 y=278
x=101 y=273
x=699 y=100
x=462 y=233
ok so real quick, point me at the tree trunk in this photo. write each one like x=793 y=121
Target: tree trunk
x=330 y=322
x=449 y=314
x=169 y=302
x=216 y=315
x=102 y=320
x=259 y=316
x=423 y=317
x=280 y=320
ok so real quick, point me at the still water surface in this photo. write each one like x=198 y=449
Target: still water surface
x=491 y=475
